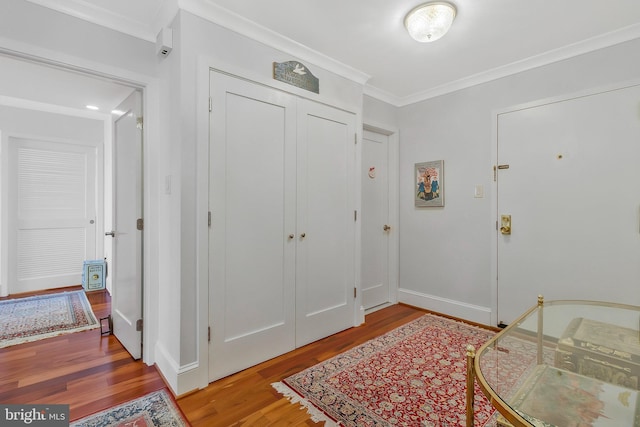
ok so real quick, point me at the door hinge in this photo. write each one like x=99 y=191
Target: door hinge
x=140 y=224
x=140 y=123
x=355 y=292
x=210 y=104
x=209 y=220
x=355 y=215
x=139 y=325
x=355 y=138
x=209 y=334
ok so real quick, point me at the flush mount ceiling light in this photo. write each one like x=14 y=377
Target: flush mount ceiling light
x=430 y=21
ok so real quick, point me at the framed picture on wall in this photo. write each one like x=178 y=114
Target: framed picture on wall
x=429 y=184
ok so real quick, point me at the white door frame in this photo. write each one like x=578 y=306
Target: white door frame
x=149 y=86
x=93 y=205
x=393 y=156
x=196 y=375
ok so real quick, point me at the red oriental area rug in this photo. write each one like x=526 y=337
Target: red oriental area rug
x=154 y=409
x=43 y=316
x=414 y=375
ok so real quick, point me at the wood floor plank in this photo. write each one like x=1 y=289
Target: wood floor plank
x=92 y=372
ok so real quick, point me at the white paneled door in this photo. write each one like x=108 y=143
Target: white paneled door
x=376 y=229
x=125 y=267
x=52 y=215
x=325 y=268
x=252 y=198
x=282 y=234
x=569 y=179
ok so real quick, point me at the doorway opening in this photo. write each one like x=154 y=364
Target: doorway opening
x=57 y=192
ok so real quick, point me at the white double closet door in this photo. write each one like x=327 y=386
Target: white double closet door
x=282 y=237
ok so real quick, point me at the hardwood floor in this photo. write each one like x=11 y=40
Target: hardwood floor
x=85 y=370
x=247 y=398
x=91 y=372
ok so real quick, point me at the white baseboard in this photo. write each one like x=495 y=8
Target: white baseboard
x=180 y=379
x=462 y=310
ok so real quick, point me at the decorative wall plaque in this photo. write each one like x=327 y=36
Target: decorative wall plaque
x=296 y=74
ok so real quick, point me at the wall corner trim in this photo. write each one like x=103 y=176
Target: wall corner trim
x=181 y=379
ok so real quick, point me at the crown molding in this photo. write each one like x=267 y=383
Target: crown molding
x=101 y=16
x=383 y=96
x=238 y=24
x=589 y=45
x=206 y=10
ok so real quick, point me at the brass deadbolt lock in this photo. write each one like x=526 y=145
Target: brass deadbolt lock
x=505 y=224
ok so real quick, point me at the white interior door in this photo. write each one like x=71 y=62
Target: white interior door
x=52 y=227
x=375 y=219
x=253 y=232
x=325 y=263
x=125 y=267
x=572 y=189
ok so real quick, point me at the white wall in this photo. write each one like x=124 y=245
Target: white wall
x=27 y=26
x=379 y=113
x=445 y=253
x=199 y=45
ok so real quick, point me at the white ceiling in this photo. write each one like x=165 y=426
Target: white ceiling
x=489 y=38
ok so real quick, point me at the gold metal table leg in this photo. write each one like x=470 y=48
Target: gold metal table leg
x=471 y=355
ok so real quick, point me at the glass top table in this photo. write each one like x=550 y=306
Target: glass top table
x=562 y=363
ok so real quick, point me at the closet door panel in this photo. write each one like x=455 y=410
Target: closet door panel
x=326 y=231
x=253 y=210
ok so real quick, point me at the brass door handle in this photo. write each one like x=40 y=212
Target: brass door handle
x=505 y=230
x=386 y=227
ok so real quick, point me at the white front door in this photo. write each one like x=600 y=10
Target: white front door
x=375 y=219
x=253 y=234
x=125 y=267
x=52 y=219
x=572 y=189
x=325 y=262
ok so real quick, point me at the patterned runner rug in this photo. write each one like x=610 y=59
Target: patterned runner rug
x=414 y=375
x=154 y=409
x=43 y=316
